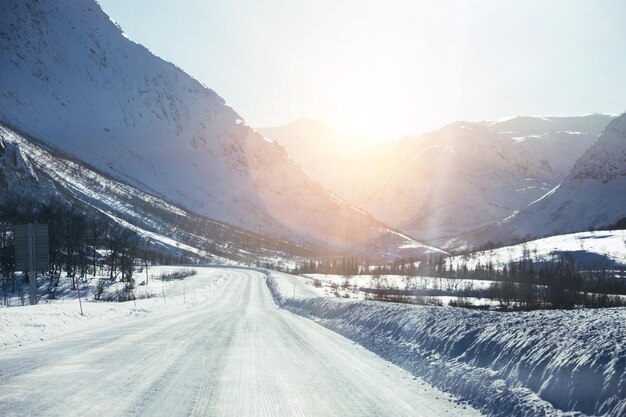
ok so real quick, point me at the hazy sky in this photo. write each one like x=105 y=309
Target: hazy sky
x=388 y=68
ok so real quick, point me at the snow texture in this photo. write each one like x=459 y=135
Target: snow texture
x=588 y=249
x=542 y=363
x=53 y=318
x=469 y=175
x=592 y=196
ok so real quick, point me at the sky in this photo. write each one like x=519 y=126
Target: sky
x=392 y=68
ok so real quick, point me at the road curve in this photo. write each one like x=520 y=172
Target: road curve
x=236 y=355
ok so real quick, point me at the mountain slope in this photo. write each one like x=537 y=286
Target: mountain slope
x=400 y=183
x=465 y=176
x=18 y=179
x=73 y=81
x=592 y=196
x=34 y=175
x=346 y=165
x=555 y=141
x=305 y=139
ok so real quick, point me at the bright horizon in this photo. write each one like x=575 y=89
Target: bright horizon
x=385 y=72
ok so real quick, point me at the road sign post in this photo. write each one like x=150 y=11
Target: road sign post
x=31 y=252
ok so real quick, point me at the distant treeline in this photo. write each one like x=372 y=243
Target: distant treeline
x=523 y=284
x=347 y=266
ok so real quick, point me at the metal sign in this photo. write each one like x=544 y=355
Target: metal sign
x=20 y=237
x=31 y=240
x=31 y=252
x=42 y=251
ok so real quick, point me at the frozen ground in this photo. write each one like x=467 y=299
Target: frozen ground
x=51 y=318
x=234 y=353
x=594 y=249
x=542 y=363
x=399 y=282
x=438 y=289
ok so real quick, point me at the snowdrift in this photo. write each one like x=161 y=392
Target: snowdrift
x=542 y=363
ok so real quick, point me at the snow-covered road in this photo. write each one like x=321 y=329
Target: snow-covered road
x=235 y=355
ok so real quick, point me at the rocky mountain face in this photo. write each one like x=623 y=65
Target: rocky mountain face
x=18 y=179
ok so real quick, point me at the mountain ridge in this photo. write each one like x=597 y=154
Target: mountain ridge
x=74 y=82
x=591 y=196
x=385 y=178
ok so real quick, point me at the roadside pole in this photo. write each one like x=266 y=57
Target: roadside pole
x=80 y=303
x=32 y=267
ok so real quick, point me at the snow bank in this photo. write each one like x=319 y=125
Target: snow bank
x=39 y=322
x=542 y=363
x=52 y=318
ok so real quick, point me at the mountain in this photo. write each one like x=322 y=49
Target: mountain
x=391 y=180
x=541 y=126
x=463 y=177
x=74 y=82
x=592 y=196
x=344 y=164
x=18 y=179
x=555 y=141
x=469 y=175
x=32 y=175
x=305 y=139
x=353 y=176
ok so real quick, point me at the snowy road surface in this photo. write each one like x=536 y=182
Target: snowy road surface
x=235 y=355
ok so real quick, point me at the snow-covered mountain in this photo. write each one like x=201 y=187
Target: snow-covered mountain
x=347 y=165
x=464 y=176
x=557 y=141
x=353 y=176
x=306 y=139
x=31 y=174
x=74 y=82
x=404 y=182
x=17 y=177
x=592 y=196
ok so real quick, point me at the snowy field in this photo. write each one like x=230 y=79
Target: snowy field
x=600 y=248
x=588 y=249
x=400 y=282
x=52 y=318
x=439 y=290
